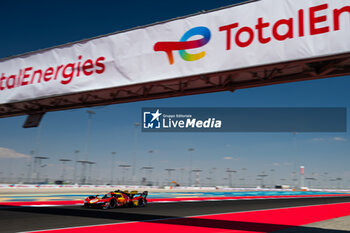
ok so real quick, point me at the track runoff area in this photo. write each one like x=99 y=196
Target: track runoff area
x=240 y=213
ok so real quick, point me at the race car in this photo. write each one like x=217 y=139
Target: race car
x=117 y=198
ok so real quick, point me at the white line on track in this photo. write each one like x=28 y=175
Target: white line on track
x=176 y=201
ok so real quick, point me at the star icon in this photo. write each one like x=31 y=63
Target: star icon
x=156 y=115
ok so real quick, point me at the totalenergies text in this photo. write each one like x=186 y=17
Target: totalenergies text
x=64 y=73
x=264 y=31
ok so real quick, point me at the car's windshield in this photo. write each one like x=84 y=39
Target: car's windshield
x=108 y=195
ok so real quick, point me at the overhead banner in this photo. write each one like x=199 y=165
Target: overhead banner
x=247 y=35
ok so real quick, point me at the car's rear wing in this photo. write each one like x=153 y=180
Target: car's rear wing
x=144 y=194
x=133 y=193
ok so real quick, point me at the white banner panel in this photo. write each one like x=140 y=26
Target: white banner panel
x=253 y=34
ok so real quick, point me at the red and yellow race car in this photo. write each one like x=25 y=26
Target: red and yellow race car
x=117 y=198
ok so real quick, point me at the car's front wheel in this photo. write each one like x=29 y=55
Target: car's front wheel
x=111 y=204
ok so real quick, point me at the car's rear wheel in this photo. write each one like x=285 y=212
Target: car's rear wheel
x=142 y=203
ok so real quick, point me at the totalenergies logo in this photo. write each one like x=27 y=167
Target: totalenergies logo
x=183 y=44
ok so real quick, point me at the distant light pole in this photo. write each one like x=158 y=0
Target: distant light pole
x=11 y=174
x=90 y=163
x=64 y=167
x=150 y=171
x=224 y=181
x=325 y=180
x=75 y=166
x=90 y=113
x=261 y=182
x=30 y=165
x=150 y=164
x=310 y=179
x=272 y=178
x=213 y=176
x=209 y=181
x=262 y=176
x=36 y=153
x=190 y=172
x=331 y=185
x=295 y=160
x=37 y=162
x=294 y=179
x=83 y=163
x=197 y=171
x=136 y=124
x=282 y=181
x=338 y=183
x=302 y=172
x=169 y=174
x=124 y=166
x=243 y=182
x=112 y=167
x=229 y=172
x=45 y=176
x=210 y=178
x=243 y=177
x=182 y=175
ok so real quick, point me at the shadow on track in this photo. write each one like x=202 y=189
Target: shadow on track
x=120 y=216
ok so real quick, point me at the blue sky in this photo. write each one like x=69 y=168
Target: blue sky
x=32 y=25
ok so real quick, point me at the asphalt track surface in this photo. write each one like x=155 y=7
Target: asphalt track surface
x=22 y=219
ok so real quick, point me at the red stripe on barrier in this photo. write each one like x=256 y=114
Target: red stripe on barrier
x=257 y=221
x=240 y=198
x=38 y=203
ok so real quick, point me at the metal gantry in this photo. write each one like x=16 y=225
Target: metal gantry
x=282 y=72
